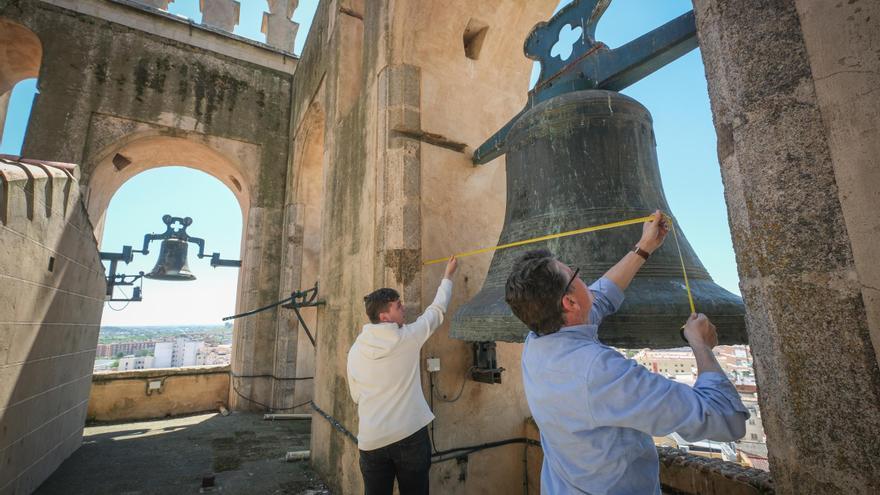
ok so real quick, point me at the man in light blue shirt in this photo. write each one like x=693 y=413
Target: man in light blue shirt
x=597 y=410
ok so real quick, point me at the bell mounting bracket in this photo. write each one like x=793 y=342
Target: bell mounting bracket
x=592 y=65
x=175 y=228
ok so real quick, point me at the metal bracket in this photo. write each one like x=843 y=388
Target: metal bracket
x=120 y=279
x=485 y=367
x=592 y=65
x=304 y=299
x=127 y=255
x=180 y=233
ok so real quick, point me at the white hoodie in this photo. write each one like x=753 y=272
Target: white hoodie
x=384 y=378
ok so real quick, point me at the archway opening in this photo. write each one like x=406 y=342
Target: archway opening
x=177 y=323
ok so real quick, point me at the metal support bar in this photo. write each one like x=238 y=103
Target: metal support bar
x=592 y=65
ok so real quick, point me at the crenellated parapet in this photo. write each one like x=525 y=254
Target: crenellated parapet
x=280 y=31
x=220 y=14
x=36 y=190
x=51 y=298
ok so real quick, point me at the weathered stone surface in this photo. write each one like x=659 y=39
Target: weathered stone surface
x=280 y=31
x=841 y=39
x=220 y=14
x=283 y=7
x=158 y=4
x=123 y=396
x=807 y=319
x=681 y=472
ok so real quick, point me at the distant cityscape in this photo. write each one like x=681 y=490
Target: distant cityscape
x=137 y=348
x=736 y=361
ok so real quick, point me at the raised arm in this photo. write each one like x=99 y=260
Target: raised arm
x=653 y=234
x=431 y=319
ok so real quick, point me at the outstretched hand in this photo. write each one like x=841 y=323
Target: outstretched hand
x=654 y=232
x=451 y=267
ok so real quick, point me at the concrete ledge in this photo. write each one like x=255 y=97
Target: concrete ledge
x=683 y=473
x=157 y=393
x=105 y=376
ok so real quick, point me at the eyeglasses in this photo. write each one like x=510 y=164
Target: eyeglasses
x=573 y=276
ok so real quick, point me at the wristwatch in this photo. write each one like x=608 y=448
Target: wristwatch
x=641 y=252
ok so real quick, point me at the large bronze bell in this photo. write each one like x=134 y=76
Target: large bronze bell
x=588 y=158
x=172 y=264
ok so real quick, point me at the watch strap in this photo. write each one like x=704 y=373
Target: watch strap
x=641 y=252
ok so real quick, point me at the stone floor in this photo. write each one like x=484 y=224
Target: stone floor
x=244 y=453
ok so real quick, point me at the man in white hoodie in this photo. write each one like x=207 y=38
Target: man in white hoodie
x=385 y=383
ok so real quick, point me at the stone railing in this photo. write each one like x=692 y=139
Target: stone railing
x=157 y=392
x=683 y=473
x=680 y=473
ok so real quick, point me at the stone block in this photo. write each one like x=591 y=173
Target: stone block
x=280 y=31
x=283 y=7
x=220 y=14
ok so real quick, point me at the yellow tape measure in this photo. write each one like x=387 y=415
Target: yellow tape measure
x=584 y=230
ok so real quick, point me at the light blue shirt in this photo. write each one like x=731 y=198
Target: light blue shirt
x=597 y=410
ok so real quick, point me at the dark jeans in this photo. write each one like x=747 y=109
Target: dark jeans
x=408 y=460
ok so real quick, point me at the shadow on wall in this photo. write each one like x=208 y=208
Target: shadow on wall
x=54 y=283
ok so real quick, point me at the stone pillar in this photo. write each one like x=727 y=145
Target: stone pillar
x=280 y=31
x=398 y=219
x=254 y=346
x=808 y=325
x=842 y=40
x=220 y=14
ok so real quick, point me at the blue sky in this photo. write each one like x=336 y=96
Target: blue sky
x=676 y=96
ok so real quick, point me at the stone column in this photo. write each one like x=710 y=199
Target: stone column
x=842 y=40
x=808 y=326
x=220 y=14
x=254 y=346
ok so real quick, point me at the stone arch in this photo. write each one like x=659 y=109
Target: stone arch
x=234 y=163
x=135 y=153
x=21 y=54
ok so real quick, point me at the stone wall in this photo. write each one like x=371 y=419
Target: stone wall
x=128 y=396
x=400 y=97
x=789 y=83
x=124 y=89
x=51 y=296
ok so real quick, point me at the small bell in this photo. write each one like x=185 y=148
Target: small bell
x=172 y=264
